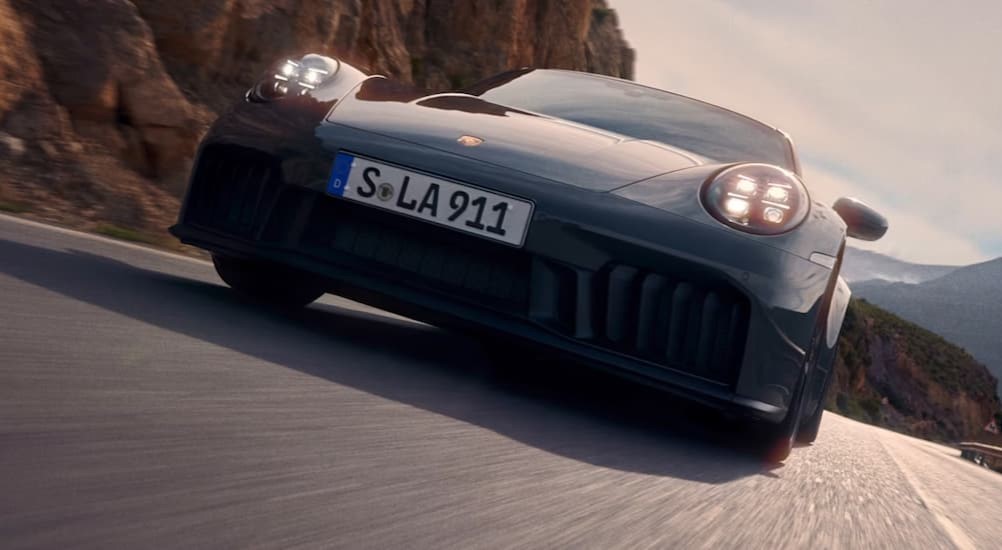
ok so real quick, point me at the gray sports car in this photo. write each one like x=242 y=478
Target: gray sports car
x=620 y=226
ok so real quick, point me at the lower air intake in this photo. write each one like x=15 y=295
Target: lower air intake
x=232 y=190
x=686 y=325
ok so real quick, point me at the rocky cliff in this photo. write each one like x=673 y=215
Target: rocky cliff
x=893 y=373
x=102 y=102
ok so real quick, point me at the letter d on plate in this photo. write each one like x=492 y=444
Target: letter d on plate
x=338 y=182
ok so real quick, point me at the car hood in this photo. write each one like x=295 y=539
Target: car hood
x=552 y=148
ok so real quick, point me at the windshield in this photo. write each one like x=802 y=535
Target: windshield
x=643 y=113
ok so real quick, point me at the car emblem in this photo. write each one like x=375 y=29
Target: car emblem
x=385 y=192
x=470 y=141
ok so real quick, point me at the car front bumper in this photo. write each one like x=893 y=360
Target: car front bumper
x=697 y=310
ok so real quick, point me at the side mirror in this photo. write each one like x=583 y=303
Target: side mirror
x=862 y=222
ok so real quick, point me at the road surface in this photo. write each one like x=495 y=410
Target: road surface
x=142 y=404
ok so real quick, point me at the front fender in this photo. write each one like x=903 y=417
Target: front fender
x=836 y=313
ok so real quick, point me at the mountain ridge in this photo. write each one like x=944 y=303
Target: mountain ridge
x=964 y=306
x=891 y=372
x=860 y=265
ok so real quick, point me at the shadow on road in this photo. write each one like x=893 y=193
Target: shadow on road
x=562 y=409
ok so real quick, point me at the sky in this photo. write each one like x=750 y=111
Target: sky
x=895 y=102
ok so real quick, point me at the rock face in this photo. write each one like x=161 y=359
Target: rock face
x=99 y=64
x=102 y=102
x=893 y=373
x=28 y=113
x=212 y=46
x=104 y=134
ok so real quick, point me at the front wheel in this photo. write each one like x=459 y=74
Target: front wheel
x=269 y=283
x=810 y=427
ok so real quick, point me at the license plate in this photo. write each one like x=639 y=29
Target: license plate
x=430 y=198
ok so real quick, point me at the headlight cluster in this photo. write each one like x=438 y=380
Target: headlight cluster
x=295 y=77
x=757 y=198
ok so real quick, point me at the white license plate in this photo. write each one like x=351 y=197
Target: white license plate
x=430 y=198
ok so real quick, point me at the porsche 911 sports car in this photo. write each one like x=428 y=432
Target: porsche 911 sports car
x=620 y=226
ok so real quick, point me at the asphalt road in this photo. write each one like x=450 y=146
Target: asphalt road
x=142 y=404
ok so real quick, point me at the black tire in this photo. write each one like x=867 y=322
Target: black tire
x=268 y=283
x=809 y=428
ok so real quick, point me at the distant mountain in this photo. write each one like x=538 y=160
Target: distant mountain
x=863 y=265
x=964 y=306
x=893 y=373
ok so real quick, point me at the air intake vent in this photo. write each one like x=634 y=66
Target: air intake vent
x=686 y=325
x=233 y=189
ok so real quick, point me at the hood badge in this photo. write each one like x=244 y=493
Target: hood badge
x=470 y=141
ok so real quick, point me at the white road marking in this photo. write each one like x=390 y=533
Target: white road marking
x=957 y=535
x=99 y=238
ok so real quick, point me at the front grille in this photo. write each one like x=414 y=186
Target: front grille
x=420 y=254
x=233 y=189
x=687 y=325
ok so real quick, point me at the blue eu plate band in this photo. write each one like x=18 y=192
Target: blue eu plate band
x=338 y=182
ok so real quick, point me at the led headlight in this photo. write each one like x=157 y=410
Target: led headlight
x=294 y=77
x=757 y=198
